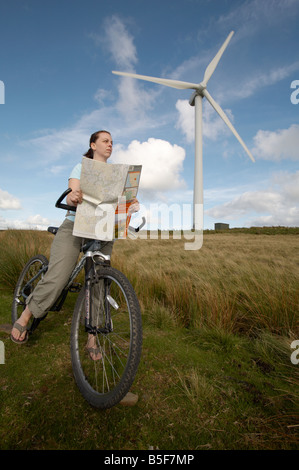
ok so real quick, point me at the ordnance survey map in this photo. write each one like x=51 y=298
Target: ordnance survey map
x=108 y=190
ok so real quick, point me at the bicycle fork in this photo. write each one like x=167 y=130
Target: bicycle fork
x=89 y=275
x=91 y=279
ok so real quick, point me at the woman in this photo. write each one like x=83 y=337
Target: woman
x=65 y=251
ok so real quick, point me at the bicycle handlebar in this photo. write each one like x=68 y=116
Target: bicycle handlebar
x=60 y=205
x=65 y=206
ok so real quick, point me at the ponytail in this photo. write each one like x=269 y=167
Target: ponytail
x=89 y=153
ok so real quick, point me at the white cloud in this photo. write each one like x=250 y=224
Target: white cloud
x=162 y=163
x=101 y=95
x=7 y=201
x=289 y=183
x=38 y=220
x=118 y=41
x=133 y=100
x=262 y=79
x=277 y=145
x=186 y=118
x=248 y=18
x=34 y=222
x=72 y=141
x=55 y=144
x=287 y=219
x=257 y=201
x=57 y=169
x=277 y=205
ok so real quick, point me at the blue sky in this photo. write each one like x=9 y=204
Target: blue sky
x=56 y=60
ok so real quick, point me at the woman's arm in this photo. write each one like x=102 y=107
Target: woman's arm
x=75 y=196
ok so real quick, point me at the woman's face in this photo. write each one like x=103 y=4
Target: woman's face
x=102 y=147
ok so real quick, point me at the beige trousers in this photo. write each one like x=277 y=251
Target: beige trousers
x=64 y=254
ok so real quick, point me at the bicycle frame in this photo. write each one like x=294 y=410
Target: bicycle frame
x=87 y=261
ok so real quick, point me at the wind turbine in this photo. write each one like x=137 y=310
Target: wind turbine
x=196 y=100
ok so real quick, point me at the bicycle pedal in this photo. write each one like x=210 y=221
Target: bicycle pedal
x=75 y=287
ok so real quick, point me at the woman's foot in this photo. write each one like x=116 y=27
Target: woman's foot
x=19 y=333
x=92 y=349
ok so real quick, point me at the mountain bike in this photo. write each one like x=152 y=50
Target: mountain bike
x=107 y=307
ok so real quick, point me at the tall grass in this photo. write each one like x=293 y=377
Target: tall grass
x=215 y=370
x=17 y=247
x=236 y=282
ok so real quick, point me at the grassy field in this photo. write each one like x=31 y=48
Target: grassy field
x=216 y=370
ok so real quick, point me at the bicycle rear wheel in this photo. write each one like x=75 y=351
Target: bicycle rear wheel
x=104 y=382
x=31 y=274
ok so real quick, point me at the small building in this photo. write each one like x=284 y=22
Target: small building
x=220 y=226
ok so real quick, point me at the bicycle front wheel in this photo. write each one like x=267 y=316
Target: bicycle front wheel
x=104 y=378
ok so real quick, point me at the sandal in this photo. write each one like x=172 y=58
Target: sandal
x=21 y=330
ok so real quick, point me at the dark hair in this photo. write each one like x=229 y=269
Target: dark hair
x=93 y=138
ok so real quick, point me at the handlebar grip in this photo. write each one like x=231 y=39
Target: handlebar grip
x=65 y=206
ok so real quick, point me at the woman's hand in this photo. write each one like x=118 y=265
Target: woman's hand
x=75 y=197
x=134 y=207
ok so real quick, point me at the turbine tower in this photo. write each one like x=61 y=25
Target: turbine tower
x=200 y=92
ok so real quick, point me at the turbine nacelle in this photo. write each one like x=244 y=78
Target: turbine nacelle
x=199 y=91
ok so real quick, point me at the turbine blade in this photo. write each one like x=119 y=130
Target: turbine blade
x=213 y=64
x=227 y=121
x=162 y=81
